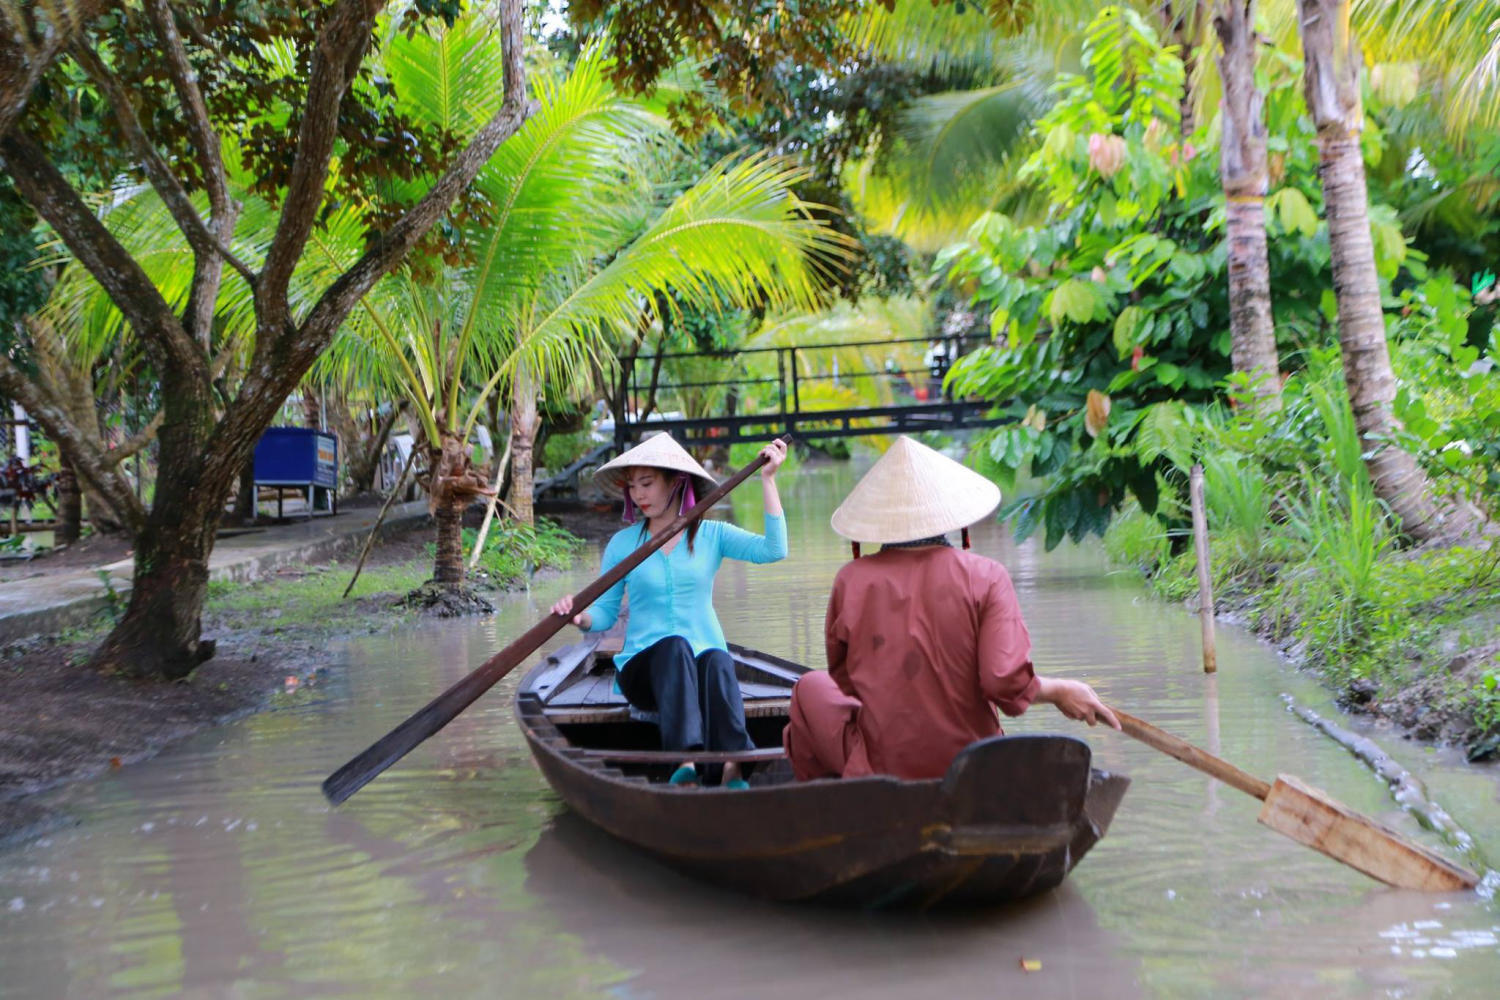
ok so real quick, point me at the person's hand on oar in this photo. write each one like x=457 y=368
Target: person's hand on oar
x=1076 y=700
x=564 y=607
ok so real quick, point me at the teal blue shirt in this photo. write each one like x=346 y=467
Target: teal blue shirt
x=672 y=593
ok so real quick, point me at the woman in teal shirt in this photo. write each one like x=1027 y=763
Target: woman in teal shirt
x=675 y=661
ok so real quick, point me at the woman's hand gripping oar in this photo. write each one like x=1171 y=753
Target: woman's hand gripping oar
x=445 y=707
x=1312 y=818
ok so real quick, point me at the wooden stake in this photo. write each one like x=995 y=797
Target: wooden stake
x=364 y=553
x=489 y=508
x=1205 y=576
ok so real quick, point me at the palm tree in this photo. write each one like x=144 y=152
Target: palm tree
x=573 y=246
x=1243 y=173
x=1331 y=85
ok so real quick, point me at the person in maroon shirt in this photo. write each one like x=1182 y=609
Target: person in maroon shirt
x=924 y=641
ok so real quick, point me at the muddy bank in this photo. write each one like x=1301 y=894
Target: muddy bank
x=60 y=721
x=1426 y=694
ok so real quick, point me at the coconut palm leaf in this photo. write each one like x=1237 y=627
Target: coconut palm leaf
x=737 y=237
x=1457 y=41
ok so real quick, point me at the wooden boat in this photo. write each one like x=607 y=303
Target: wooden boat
x=1011 y=818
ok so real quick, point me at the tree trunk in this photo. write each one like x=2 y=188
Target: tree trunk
x=363 y=452
x=1242 y=171
x=452 y=485
x=160 y=634
x=448 y=565
x=523 y=424
x=245 y=496
x=69 y=506
x=1331 y=85
x=312 y=415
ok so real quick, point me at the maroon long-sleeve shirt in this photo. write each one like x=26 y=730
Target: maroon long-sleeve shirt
x=931 y=641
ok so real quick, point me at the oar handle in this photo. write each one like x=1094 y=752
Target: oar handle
x=445 y=707
x=1192 y=756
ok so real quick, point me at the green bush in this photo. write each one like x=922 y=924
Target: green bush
x=561 y=450
x=513 y=552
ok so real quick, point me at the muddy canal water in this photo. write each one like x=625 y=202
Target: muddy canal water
x=217 y=870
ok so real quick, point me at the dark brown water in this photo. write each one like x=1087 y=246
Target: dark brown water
x=217 y=870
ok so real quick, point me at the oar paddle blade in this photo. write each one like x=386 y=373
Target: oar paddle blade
x=1312 y=818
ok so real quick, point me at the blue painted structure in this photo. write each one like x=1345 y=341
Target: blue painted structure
x=301 y=457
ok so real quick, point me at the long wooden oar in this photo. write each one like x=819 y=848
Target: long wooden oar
x=445 y=707
x=1312 y=818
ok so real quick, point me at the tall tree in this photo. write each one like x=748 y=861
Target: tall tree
x=1243 y=172
x=303 y=68
x=1331 y=86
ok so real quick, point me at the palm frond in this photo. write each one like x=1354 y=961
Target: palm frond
x=737 y=237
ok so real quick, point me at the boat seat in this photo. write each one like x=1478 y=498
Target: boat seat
x=759 y=709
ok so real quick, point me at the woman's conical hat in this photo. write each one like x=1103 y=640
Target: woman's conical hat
x=658 y=451
x=913 y=492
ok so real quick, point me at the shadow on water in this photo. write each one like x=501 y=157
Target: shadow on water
x=216 y=869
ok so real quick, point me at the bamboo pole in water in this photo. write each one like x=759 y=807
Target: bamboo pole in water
x=1205 y=578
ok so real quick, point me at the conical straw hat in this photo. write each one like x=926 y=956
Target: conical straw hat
x=913 y=492
x=658 y=451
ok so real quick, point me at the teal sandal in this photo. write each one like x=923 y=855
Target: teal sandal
x=737 y=784
x=686 y=776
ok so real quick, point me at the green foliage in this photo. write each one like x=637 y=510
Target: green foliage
x=1110 y=315
x=114 y=603
x=742 y=454
x=1487 y=702
x=562 y=449
x=312 y=599
x=1448 y=392
x=513 y=552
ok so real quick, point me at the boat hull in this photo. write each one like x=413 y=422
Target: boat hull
x=1011 y=818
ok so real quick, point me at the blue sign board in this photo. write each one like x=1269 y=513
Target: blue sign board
x=297 y=456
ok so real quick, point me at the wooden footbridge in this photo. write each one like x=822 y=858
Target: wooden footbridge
x=813 y=392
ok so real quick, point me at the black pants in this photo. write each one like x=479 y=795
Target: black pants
x=697 y=699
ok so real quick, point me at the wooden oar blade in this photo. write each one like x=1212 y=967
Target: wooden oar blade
x=1312 y=818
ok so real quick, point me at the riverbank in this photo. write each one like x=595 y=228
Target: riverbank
x=1406 y=637
x=60 y=721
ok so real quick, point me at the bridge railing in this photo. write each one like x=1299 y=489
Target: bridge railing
x=767 y=389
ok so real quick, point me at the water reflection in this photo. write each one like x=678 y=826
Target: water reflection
x=682 y=939
x=217 y=870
